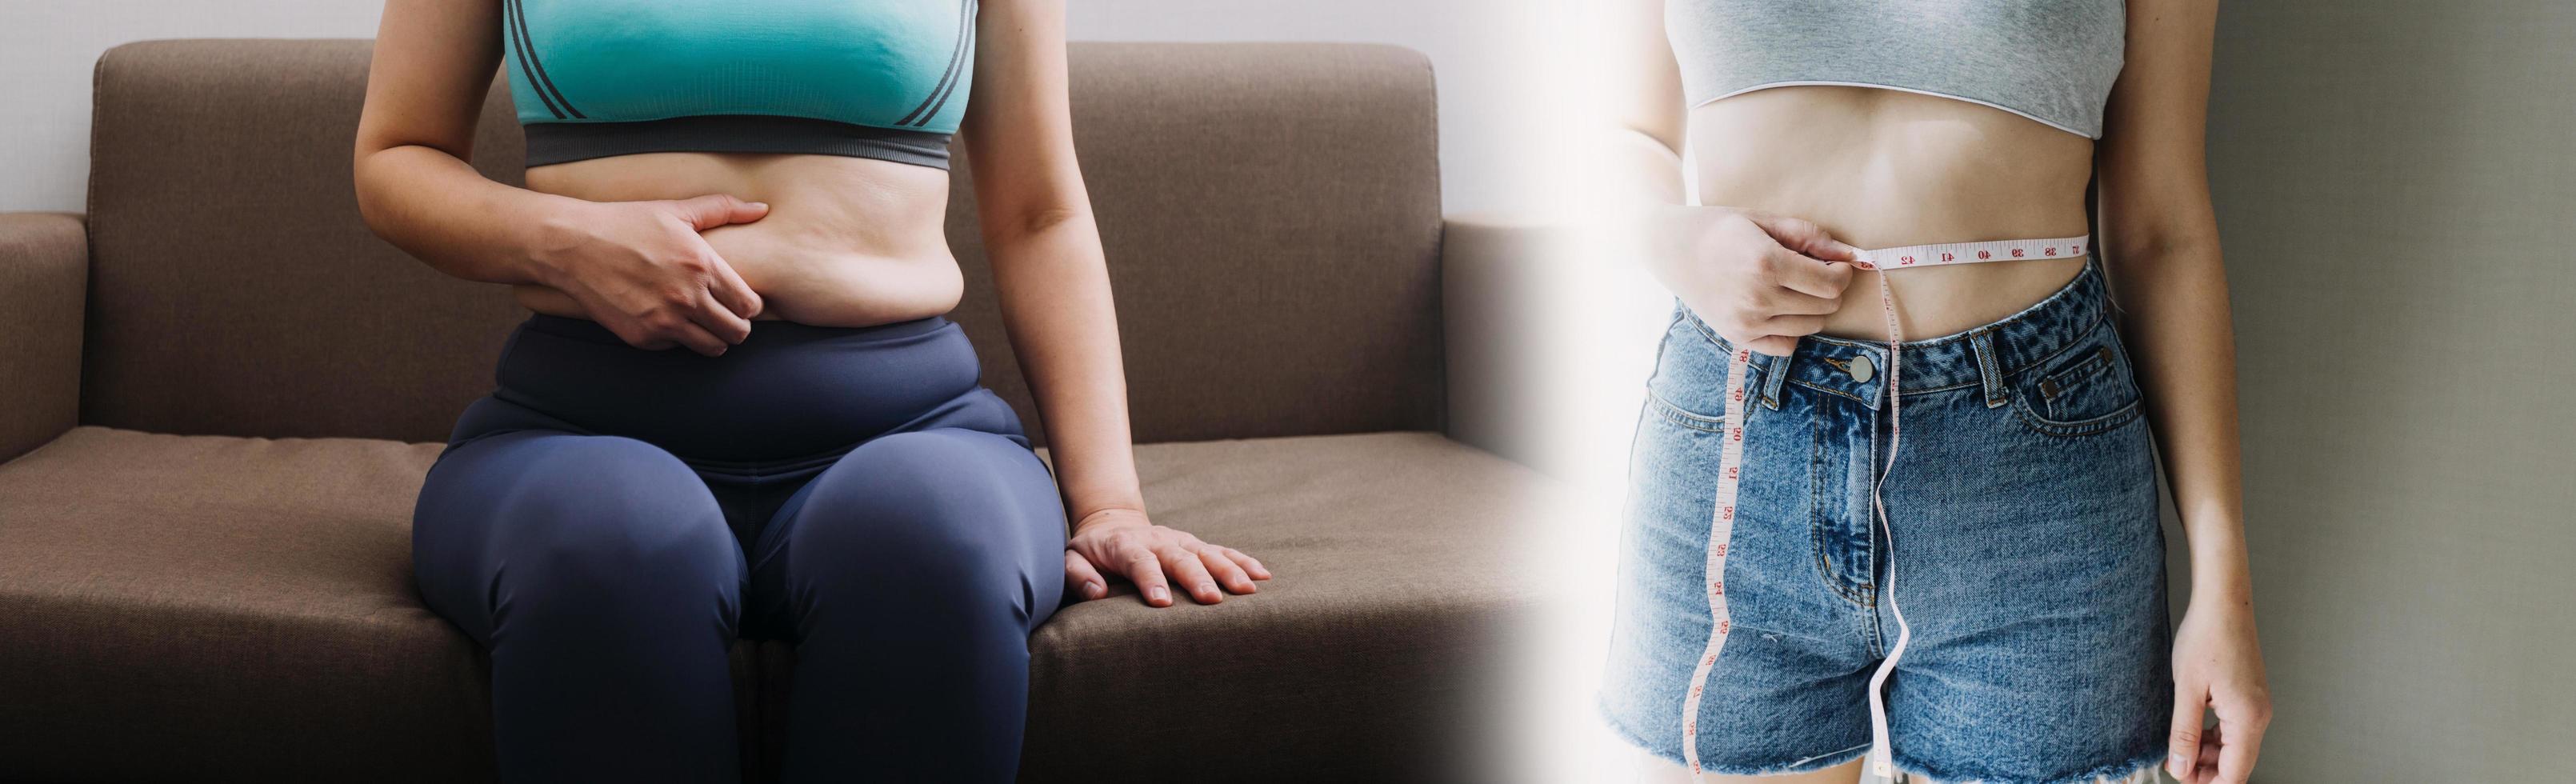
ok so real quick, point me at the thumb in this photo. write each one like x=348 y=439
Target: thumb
x=716 y=209
x=1805 y=237
x=2182 y=755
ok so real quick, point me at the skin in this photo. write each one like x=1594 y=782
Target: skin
x=687 y=249
x=1809 y=173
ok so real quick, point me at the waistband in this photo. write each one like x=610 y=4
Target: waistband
x=788 y=392
x=1982 y=355
x=764 y=334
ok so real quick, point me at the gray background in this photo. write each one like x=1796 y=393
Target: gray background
x=2396 y=180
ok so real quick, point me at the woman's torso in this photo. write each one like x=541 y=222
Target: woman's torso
x=1902 y=123
x=847 y=242
x=1881 y=168
x=837 y=115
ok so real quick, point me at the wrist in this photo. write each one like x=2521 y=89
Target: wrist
x=2221 y=595
x=1108 y=516
x=2221 y=580
x=546 y=244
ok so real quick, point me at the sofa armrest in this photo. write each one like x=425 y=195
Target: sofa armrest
x=1498 y=319
x=44 y=280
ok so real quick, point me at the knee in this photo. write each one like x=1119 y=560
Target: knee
x=604 y=524
x=933 y=513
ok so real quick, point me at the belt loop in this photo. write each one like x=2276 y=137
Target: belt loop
x=1989 y=367
x=1775 y=372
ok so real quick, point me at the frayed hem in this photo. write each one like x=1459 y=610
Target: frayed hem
x=2139 y=770
x=1807 y=765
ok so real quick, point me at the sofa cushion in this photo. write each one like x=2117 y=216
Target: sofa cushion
x=218 y=607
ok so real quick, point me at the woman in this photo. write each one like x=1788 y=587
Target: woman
x=1799 y=453
x=736 y=409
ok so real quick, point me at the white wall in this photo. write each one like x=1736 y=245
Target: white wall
x=48 y=47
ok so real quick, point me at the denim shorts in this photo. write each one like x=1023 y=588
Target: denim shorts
x=2023 y=508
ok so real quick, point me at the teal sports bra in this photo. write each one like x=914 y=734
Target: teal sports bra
x=883 y=79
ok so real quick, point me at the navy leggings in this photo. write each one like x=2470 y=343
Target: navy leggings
x=610 y=520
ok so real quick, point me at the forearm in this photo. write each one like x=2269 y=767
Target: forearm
x=1056 y=306
x=439 y=209
x=2174 y=313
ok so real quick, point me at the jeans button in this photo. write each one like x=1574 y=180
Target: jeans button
x=1861 y=369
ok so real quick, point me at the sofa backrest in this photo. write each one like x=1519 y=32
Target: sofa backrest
x=1271 y=214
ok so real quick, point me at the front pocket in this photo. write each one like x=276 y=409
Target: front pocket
x=1689 y=384
x=2069 y=429
x=2068 y=394
x=2089 y=390
x=1682 y=416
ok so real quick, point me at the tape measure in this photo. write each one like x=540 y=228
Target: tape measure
x=1730 y=470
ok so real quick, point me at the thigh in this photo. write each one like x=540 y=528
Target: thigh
x=1787 y=691
x=930 y=516
x=564 y=511
x=2028 y=563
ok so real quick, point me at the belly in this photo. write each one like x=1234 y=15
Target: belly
x=1884 y=168
x=848 y=242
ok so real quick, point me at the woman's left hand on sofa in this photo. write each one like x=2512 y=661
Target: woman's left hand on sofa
x=1154 y=557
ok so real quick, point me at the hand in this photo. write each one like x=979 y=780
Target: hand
x=1761 y=281
x=641 y=269
x=2218 y=667
x=1123 y=540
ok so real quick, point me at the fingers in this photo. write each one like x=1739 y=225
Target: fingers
x=1781 y=334
x=1792 y=302
x=698 y=339
x=1250 y=565
x=662 y=330
x=731 y=291
x=1803 y=236
x=1771 y=333
x=1228 y=573
x=2182 y=750
x=1820 y=279
x=720 y=320
x=2211 y=740
x=1146 y=571
x=1158 y=560
x=1793 y=326
x=1081 y=580
x=1772 y=345
x=2243 y=740
x=703 y=327
x=1191 y=574
x=716 y=209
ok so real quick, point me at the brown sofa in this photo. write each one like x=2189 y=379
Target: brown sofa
x=219 y=393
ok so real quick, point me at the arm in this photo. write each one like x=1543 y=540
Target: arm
x=1498 y=280
x=639 y=268
x=1760 y=280
x=44 y=277
x=1054 y=286
x=1643 y=166
x=433 y=62
x=2162 y=240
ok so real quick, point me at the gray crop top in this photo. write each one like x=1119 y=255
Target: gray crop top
x=2048 y=60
